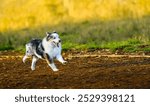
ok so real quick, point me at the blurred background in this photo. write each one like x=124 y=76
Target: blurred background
x=81 y=24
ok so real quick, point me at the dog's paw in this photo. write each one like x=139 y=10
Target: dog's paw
x=64 y=62
x=55 y=69
x=32 y=68
x=23 y=60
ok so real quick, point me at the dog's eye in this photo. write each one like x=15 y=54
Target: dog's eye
x=54 y=37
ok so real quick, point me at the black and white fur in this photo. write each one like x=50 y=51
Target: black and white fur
x=48 y=49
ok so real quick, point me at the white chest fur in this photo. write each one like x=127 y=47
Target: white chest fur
x=51 y=49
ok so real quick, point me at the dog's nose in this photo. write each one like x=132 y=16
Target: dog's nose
x=59 y=41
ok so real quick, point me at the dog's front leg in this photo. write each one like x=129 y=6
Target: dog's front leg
x=52 y=65
x=60 y=59
x=50 y=62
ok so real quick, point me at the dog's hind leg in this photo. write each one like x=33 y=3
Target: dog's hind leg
x=24 y=58
x=50 y=62
x=28 y=52
x=34 y=60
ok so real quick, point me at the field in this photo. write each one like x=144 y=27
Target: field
x=90 y=70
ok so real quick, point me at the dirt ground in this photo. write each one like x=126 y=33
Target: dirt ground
x=81 y=72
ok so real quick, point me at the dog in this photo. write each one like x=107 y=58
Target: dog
x=48 y=49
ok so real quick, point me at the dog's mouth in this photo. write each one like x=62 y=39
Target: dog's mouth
x=56 y=44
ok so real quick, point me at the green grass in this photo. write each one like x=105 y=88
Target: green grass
x=130 y=45
x=2 y=48
x=121 y=45
x=126 y=34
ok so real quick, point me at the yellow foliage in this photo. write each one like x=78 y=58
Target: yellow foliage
x=18 y=14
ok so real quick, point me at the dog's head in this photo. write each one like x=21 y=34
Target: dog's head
x=53 y=38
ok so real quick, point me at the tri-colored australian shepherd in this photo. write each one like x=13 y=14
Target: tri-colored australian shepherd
x=48 y=49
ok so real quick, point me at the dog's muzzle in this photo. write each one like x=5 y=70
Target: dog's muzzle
x=57 y=43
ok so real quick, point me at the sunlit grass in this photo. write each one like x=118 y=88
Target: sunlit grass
x=19 y=14
x=87 y=35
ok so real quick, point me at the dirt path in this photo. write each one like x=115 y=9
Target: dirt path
x=82 y=71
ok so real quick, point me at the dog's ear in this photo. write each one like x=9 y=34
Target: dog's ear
x=48 y=33
x=54 y=32
x=49 y=36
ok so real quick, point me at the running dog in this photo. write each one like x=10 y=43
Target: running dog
x=48 y=49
